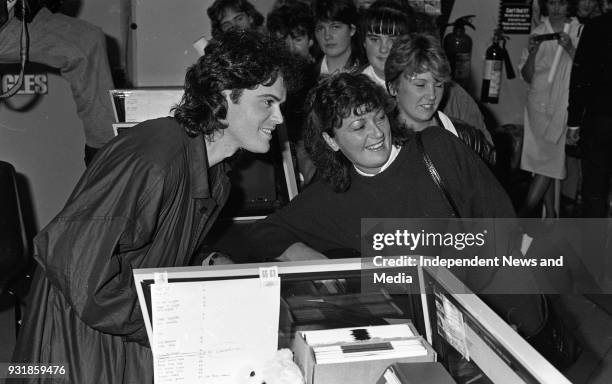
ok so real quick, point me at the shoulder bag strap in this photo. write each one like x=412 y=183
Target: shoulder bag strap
x=435 y=175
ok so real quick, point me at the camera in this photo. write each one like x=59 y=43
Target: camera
x=547 y=36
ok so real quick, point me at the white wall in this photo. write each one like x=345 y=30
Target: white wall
x=513 y=92
x=160 y=48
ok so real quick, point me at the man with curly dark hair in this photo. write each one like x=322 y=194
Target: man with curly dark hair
x=147 y=200
x=227 y=14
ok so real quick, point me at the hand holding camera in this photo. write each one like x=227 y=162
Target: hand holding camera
x=533 y=45
x=566 y=42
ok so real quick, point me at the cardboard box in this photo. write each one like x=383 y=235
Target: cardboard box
x=362 y=372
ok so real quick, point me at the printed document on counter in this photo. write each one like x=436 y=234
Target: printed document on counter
x=208 y=331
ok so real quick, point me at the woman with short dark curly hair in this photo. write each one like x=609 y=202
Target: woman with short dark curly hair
x=333 y=100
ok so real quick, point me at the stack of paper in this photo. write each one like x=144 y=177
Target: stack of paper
x=340 y=345
x=358 y=355
x=348 y=335
x=394 y=349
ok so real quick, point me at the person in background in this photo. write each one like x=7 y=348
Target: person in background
x=382 y=23
x=590 y=111
x=293 y=23
x=416 y=73
x=78 y=50
x=337 y=34
x=227 y=14
x=363 y=4
x=588 y=9
x=546 y=108
x=147 y=201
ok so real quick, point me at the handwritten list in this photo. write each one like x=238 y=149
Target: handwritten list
x=209 y=331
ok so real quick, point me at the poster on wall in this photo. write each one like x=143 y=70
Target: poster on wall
x=515 y=17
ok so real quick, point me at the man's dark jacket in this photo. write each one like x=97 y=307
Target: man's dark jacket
x=147 y=200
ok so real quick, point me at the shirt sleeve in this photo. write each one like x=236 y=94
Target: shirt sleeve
x=89 y=249
x=300 y=221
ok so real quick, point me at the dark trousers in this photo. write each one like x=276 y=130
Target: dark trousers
x=596 y=145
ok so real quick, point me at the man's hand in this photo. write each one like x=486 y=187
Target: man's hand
x=300 y=251
x=573 y=135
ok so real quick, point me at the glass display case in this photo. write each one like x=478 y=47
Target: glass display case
x=471 y=341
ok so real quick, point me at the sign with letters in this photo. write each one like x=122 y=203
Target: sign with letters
x=515 y=18
x=35 y=79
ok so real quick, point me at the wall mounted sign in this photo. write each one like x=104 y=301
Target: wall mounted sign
x=515 y=18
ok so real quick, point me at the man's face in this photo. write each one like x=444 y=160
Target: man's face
x=235 y=19
x=377 y=49
x=252 y=120
x=298 y=43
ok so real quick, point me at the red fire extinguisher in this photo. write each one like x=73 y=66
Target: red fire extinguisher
x=491 y=80
x=458 y=48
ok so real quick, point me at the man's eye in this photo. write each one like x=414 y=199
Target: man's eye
x=268 y=102
x=439 y=85
x=240 y=18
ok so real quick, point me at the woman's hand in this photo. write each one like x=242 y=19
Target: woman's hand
x=533 y=44
x=566 y=42
x=572 y=135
